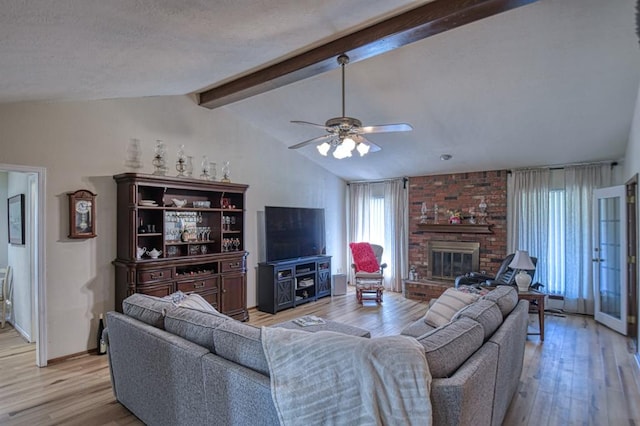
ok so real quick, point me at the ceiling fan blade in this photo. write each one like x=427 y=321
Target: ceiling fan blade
x=322 y=126
x=318 y=140
x=372 y=146
x=396 y=127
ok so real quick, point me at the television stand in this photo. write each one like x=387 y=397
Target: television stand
x=289 y=283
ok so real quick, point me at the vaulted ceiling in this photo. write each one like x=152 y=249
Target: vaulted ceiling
x=552 y=82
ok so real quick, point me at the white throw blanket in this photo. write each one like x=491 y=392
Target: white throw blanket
x=329 y=378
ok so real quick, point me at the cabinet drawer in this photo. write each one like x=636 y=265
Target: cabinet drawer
x=154 y=275
x=159 y=290
x=198 y=285
x=230 y=265
x=211 y=297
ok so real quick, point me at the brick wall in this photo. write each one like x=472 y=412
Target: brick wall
x=459 y=191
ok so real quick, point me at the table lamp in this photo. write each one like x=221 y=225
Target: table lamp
x=522 y=263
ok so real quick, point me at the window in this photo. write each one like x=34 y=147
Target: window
x=555 y=257
x=376 y=221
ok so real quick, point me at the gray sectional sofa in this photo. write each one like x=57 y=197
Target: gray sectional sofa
x=181 y=366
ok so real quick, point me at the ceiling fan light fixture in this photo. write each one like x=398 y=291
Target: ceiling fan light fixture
x=341 y=152
x=345 y=134
x=363 y=149
x=348 y=144
x=324 y=148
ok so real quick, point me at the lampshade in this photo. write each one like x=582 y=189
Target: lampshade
x=522 y=263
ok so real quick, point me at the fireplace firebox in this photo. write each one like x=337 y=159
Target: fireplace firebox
x=448 y=259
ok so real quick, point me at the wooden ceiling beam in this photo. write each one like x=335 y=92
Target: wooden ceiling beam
x=416 y=24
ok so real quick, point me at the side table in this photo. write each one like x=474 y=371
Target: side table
x=535 y=296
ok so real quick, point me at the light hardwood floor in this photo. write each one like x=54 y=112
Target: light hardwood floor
x=583 y=374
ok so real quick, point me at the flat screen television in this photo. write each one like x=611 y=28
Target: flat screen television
x=293 y=232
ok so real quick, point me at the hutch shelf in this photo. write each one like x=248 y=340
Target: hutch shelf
x=181 y=234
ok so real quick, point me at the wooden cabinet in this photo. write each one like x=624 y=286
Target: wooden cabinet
x=324 y=278
x=181 y=234
x=290 y=283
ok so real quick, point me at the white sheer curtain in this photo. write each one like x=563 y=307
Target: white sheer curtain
x=363 y=225
x=580 y=181
x=527 y=216
x=534 y=224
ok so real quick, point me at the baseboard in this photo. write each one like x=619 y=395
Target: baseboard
x=75 y=355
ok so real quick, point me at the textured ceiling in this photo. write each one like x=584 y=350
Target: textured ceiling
x=553 y=82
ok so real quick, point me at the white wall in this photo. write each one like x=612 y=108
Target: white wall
x=19 y=257
x=632 y=166
x=83 y=144
x=4 y=237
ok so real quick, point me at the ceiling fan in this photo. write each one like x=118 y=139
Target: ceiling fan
x=347 y=133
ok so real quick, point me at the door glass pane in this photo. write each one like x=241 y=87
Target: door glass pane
x=609 y=265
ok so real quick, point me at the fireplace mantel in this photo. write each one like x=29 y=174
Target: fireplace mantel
x=456 y=228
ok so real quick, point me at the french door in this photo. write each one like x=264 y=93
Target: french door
x=610 y=258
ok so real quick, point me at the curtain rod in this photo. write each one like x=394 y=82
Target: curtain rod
x=404 y=179
x=563 y=166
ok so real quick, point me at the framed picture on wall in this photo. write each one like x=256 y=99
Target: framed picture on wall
x=16 y=219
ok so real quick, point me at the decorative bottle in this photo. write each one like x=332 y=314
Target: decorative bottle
x=102 y=345
x=225 y=172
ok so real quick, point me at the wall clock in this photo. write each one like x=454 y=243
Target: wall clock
x=82 y=214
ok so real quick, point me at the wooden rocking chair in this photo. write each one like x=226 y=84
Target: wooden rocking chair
x=369 y=272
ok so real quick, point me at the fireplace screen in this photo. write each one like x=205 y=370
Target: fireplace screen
x=449 y=259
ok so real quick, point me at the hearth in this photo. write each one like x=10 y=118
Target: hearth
x=448 y=259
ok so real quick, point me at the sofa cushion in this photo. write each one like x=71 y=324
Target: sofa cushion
x=450 y=302
x=194 y=325
x=449 y=346
x=485 y=312
x=148 y=309
x=242 y=344
x=505 y=296
x=417 y=328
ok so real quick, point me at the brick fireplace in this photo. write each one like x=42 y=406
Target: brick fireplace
x=458 y=192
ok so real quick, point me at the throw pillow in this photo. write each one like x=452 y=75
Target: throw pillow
x=364 y=257
x=176 y=297
x=195 y=301
x=450 y=302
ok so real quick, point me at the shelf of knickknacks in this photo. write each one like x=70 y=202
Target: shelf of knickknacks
x=461 y=228
x=230 y=244
x=184 y=163
x=454 y=217
x=228 y=223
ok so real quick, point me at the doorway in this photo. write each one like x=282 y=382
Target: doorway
x=34 y=259
x=632 y=254
x=610 y=258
